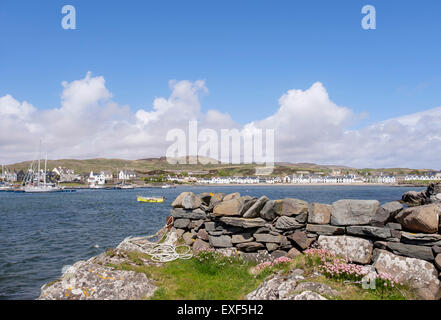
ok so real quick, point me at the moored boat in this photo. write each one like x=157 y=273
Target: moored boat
x=150 y=199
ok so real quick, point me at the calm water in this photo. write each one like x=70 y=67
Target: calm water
x=41 y=233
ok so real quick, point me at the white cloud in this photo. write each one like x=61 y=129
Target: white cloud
x=309 y=127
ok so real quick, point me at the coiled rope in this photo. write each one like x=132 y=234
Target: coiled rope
x=164 y=252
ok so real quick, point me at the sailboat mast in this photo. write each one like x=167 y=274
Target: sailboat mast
x=39 y=166
x=45 y=167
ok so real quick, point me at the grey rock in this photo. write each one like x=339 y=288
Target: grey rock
x=278 y=253
x=319 y=213
x=188 y=214
x=422 y=239
x=181 y=223
x=202 y=234
x=196 y=224
x=247 y=204
x=243 y=237
x=263 y=237
x=302 y=218
x=353 y=212
x=84 y=281
x=436 y=249
x=250 y=246
x=309 y=295
x=243 y=222
x=386 y=213
x=293 y=252
x=276 y=288
x=215 y=199
x=394 y=226
x=187 y=200
x=412 y=251
x=354 y=249
x=210 y=226
x=380 y=245
x=287 y=223
x=188 y=238
x=301 y=239
x=414 y=198
x=228 y=208
x=235 y=195
x=254 y=210
x=419 y=274
x=272 y=246
x=223 y=241
x=293 y=207
x=200 y=245
x=319 y=288
x=270 y=209
x=369 y=231
x=256 y=257
x=423 y=219
x=325 y=229
x=438 y=261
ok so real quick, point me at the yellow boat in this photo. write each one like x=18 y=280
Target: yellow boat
x=151 y=199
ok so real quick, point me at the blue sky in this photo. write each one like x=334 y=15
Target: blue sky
x=249 y=53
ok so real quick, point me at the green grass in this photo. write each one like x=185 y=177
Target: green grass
x=210 y=276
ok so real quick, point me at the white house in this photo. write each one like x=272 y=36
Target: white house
x=126 y=175
x=96 y=179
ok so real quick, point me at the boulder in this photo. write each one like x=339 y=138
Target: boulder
x=420 y=219
x=242 y=237
x=256 y=257
x=319 y=213
x=386 y=213
x=278 y=253
x=195 y=224
x=188 y=214
x=243 y=223
x=354 y=249
x=317 y=288
x=250 y=246
x=223 y=241
x=187 y=200
x=254 y=210
x=227 y=208
x=301 y=239
x=188 y=238
x=264 y=237
x=287 y=223
x=394 y=226
x=410 y=250
x=205 y=198
x=353 y=212
x=271 y=209
x=419 y=274
x=302 y=218
x=414 y=198
x=270 y=246
x=90 y=281
x=369 y=231
x=293 y=207
x=325 y=229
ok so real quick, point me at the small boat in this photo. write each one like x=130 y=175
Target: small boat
x=167 y=186
x=151 y=199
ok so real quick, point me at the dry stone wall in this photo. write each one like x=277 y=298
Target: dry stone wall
x=394 y=235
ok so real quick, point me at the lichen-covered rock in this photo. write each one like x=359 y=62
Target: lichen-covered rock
x=87 y=280
x=420 y=219
x=353 y=212
x=309 y=295
x=293 y=207
x=319 y=288
x=319 y=213
x=215 y=199
x=354 y=249
x=271 y=209
x=246 y=205
x=419 y=274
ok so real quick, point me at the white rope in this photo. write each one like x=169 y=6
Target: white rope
x=163 y=252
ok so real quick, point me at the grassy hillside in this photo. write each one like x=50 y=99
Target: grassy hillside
x=160 y=165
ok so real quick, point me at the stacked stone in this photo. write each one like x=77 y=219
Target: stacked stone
x=387 y=236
